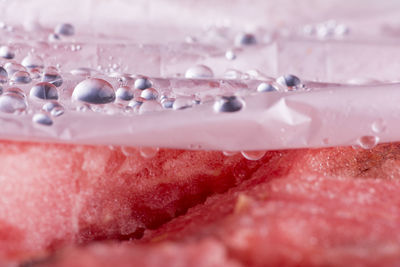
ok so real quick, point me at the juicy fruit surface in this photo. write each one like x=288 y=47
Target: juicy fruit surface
x=321 y=208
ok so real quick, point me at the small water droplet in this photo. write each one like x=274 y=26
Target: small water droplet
x=83 y=72
x=289 y=81
x=182 y=102
x=21 y=77
x=148 y=152
x=44 y=90
x=149 y=94
x=13 y=67
x=124 y=93
x=136 y=103
x=229 y=153
x=167 y=103
x=253 y=155
x=94 y=91
x=6 y=52
x=42 y=119
x=368 y=141
x=266 y=87
x=53 y=37
x=12 y=103
x=32 y=62
x=378 y=126
x=51 y=75
x=3 y=75
x=233 y=74
x=230 y=55
x=199 y=72
x=228 y=104
x=245 y=39
x=54 y=108
x=65 y=29
x=149 y=107
x=142 y=83
x=128 y=151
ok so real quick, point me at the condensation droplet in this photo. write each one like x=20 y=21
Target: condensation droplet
x=168 y=103
x=289 y=81
x=378 y=126
x=199 y=72
x=149 y=107
x=368 y=141
x=12 y=67
x=44 y=90
x=94 y=91
x=124 y=93
x=228 y=104
x=32 y=62
x=142 y=83
x=253 y=155
x=245 y=39
x=3 y=75
x=182 y=102
x=21 y=77
x=54 y=108
x=65 y=29
x=229 y=153
x=51 y=75
x=12 y=103
x=148 y=152
x=83 y=72
x=128 y=151
x=230 y=55
x=266 y=87
x=42 y=119
x=149 y=94
x=6 y=52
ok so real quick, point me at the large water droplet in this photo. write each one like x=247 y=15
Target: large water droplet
x=42 y=119
x=21 y=77
x=368 y=141
x=289 y=81
x=44 y=91
x=12 y=67
x=12 y=103
x=199 y=72
x=149 y=107
x=148 y=152
x=94 y=91
x=142 y=83
x=65 y=29
x=6 y=52
x=124 y=93
x=33 y=62
x=266 y=87
x=253 y=155
x=378 y=126
x=228 y=104
x=54 y=108
x=149 y=94
x=51 y=75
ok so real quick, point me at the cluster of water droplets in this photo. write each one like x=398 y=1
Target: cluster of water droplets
x=326 y=29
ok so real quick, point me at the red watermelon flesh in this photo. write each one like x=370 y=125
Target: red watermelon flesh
x=81 y=193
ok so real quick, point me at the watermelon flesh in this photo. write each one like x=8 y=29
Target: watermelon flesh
x=80 y=194
x=318 y=215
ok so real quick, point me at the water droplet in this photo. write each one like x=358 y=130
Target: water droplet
x=253 y=155
x=3 y=75
x=149 y=94
x=65 y=29
x=167 y=103
x=245 y=39
x=21 y=77
x=182 y=102
x=51 y=75
x=230 y=55
x=368 y=141
x=149 y=107
x=94 y=91
x=228 y=104
x=143 y=83
x=15 y=90
x=44 y=91
x=6 y=52
x=54 y=108
x=266 y=87
x=148 y=152
x=33 y=62
x=83 y=72
x=128 y=151
x=42 y=119
x=136 y=103
x=233 y=74
x=53 y=37
x=35 y=74
x=13 y=67
x=199 y=72
x=341 y=30
x=229 y=153
x=378 y=126
x=12 y=103
x=124 y=93
x=289 y=81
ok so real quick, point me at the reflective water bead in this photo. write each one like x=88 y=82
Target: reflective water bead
x=65 y=29
x=233 y=74
x=149 y=107
x=12 y=103
x=228 y=104
x=54 y=108
x=32 y=62
x=378 y=126
x=245 y=39
x=3 y=75
x=21 y=77
x=229 y=153
x=142 y=83
x=368 y=141
x=94 y=91
x=53 y=37
x=136 y=103
x=15 y=90
x=199 y=72
x=13 y=67
x=266 y=87
x=83 y=71
x=148 y=152
x=182 y=102
x=253 y=155
x=230 y=55
x=128 y=151
x=167 y=103
x=149 y=94
x=124 y=93
x=51 y=75
x=42 y=119
x=290 y=81
x=6 y=52
x=44 y=90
